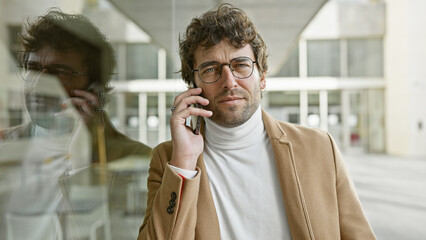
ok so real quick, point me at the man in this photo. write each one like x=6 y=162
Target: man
x=247 y=176
x=71 y=49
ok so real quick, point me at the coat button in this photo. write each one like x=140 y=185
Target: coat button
x=173 y=196
x=172 y=203
x=170 y=210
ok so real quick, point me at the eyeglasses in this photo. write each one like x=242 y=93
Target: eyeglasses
x=210 y=72
x=31 y=71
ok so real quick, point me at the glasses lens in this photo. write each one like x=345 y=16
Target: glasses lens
x=31 y=72
x=242 y=67
x=29 y=75
x=209 y=72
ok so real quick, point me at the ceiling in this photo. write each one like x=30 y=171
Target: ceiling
x=280 y=22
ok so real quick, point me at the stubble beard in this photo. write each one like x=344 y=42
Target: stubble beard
x=234 y=116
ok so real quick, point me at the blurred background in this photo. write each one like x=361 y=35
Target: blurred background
x=354 y=68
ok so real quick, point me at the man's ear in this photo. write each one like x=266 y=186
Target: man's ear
x=263 y=81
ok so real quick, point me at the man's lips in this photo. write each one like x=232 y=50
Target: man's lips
x=230 y=99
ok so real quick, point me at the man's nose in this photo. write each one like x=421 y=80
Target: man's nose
x=38 y=75
x=228 y=78
x=44 y=70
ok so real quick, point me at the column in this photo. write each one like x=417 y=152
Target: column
x=323 y=104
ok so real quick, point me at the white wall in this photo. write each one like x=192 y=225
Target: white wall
x=405 y=71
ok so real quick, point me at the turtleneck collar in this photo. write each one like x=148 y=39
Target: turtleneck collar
x=245 y=135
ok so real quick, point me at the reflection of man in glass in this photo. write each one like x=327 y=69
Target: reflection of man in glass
x=71 y=49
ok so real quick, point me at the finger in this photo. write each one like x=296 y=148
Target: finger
x=91 y=97
x=82 y=105
x=189 y=101
x=194 y=111
x=188 y=93
x=181 y=115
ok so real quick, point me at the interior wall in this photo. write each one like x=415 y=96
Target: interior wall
x=405 y=73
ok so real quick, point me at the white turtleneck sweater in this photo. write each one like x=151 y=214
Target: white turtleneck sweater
x=244 y=182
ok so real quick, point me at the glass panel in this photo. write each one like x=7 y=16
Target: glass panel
x=323 y=58
x=365 y=57
x=291 y=66
x=284 y=106
x=141 y=61
x=132 y=115
x=358 y=119
x=153 y=119
x=334 y=117
x=49 y=186
x=314 y=119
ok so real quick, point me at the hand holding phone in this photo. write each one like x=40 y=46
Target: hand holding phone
x=88 y=102
x=185 y=122
x=196 y=123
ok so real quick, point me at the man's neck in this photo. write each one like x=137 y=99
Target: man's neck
x=246 y=133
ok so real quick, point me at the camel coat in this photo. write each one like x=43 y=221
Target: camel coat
x=319 y=196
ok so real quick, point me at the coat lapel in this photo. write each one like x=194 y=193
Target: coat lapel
x=207 y=222
x=294 y=202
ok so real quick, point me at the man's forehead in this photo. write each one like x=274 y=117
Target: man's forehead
x=223 y=51
x=48 y=55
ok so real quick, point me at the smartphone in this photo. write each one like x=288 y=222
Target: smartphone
x=95 y=88
x=196 y=120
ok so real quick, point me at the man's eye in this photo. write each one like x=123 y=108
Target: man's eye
x=241 y=65
x=62 y=72
x=32 y=68
x=209 y=70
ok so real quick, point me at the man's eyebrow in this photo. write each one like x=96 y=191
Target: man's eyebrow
x=55 y=65
x=32 y=62
x=62 y=66
x=214 y=62
x=208 y=63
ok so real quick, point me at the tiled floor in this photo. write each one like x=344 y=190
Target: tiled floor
x=392 y=191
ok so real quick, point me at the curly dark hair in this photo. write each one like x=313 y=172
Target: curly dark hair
x=64 y=32
x=227 y=22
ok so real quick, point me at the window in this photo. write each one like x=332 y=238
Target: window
x=323 y=58
x=291 y=66
x=365 y=57
x=141 y=61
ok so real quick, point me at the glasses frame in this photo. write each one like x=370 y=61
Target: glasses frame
x=230 y=68
x=67 y=76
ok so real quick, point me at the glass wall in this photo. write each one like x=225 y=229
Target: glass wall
x=65 y=193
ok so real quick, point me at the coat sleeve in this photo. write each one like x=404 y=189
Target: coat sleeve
x=171 y=211
x=352 y=220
